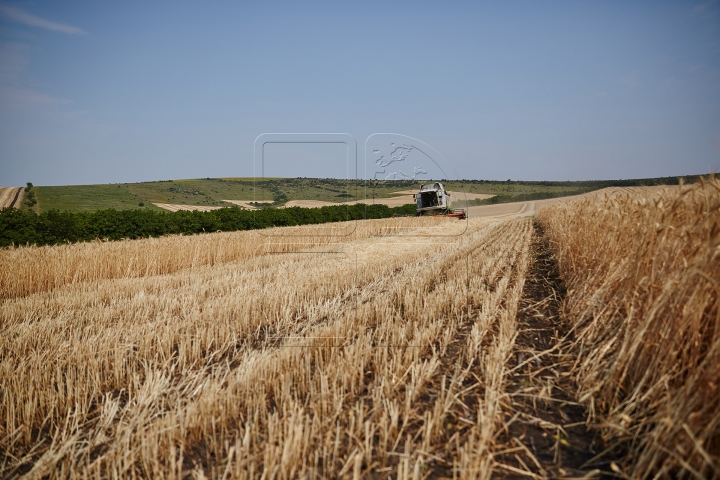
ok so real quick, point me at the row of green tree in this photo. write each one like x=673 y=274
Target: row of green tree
x=595 y=184
x=19 y=227
x=29 y=198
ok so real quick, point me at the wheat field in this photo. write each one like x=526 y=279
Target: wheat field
x=241 y=355
x=642 y=269
x=390 y=349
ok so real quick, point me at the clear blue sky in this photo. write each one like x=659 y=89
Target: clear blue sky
x=100 y=92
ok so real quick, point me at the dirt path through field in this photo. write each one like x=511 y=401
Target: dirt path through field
x=545 y=434
x=10 y=196
x=530 y=208
x=515 y=209
x=190 y=208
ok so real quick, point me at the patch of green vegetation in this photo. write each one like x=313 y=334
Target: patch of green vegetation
x=54 y=227
x=127 y=196
x=80 y=198
x=30 y=199
x=202 y=192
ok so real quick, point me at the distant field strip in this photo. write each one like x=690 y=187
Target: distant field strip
x=242 y=203
x=10 y=196
x=190 y=208
x=367 y=355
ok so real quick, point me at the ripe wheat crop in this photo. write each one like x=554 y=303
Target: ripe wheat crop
x=642 y=269
x=26 y=270
x=376 y=353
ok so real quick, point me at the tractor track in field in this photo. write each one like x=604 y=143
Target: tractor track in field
x=464 y=379
x=8 y=193
x=15 y=202
x=545 y=432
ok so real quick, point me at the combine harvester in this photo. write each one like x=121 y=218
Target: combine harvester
x=434 y=200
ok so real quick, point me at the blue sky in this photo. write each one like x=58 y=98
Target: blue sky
x=103 y=92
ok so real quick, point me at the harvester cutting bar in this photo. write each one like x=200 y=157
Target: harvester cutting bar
x=458 y=212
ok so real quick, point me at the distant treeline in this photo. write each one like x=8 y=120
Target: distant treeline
x=580 y=185
x=54 y=227
x=596 y=184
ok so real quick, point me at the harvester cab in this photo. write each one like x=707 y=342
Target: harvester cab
x=433 y=199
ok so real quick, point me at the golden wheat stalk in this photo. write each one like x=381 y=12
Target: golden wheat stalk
x=642 y=268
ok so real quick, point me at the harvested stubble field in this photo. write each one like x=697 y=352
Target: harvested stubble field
x=198 y=354
x=10 y=196
x=390 y=352
x=190 y=208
